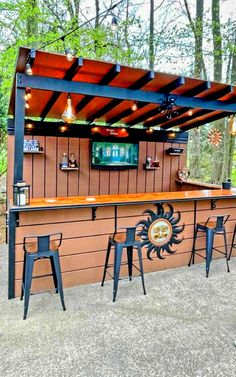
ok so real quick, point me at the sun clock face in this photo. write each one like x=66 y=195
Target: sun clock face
x=160 y=231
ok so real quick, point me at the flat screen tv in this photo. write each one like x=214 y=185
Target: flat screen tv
x=114 y=155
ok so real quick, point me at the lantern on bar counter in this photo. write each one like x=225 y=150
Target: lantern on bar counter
x=21 y=194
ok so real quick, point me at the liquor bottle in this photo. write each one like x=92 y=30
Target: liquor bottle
x=64 y=161
x=72 y=161
x=156 y=162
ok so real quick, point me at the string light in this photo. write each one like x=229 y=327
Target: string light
x=105 y=12
x=28 y=69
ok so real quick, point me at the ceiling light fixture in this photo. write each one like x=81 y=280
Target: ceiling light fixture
x=68 y=114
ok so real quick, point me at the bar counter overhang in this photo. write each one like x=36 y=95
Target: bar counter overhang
x=88 y=205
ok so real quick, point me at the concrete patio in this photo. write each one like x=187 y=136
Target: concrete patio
x=185 y=326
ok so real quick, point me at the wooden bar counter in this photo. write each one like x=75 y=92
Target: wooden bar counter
x=87 y=221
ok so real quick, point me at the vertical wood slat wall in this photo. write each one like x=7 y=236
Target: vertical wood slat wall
x=47 y=180
x=82 y=253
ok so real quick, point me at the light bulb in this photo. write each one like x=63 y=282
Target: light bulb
x=69 y=55
x=29 y=126
x=134 y=107
x=149 y=130
x=114 y=24
x=190 y=112
x=63 y=128
x=28 y=69
x=27 y=105
x=27 y=94
x=68 y=115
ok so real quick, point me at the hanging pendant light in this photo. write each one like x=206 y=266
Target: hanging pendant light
x=232 y=125
x=68 y=115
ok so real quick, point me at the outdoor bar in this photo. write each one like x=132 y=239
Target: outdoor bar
x=72 y=188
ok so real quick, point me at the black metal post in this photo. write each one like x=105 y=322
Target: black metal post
x=11 y=255
x=19 y=132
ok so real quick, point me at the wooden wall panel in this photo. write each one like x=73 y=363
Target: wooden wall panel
x=51 y=167
x=28 y=167
x=166 y=168
x=38 y=190
x=150 y=174
x=141 y=180
x=84 y=167
x=158 y=180
x=47 y=180
x=73 y=176
x=62 y=176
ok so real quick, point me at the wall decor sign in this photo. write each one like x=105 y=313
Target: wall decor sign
x=105 y=131
x=160 y=230
x=215 y=137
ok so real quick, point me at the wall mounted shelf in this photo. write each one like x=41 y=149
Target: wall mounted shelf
x=34 y=152
x=151 y=168
x=176 y=154
x=69 y=169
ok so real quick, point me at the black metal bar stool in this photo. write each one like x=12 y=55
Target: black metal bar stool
x=41 y=247
x=128 y=240
x=233 y=244
x=214 y=225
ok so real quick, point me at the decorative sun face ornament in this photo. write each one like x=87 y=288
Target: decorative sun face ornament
x=159 y=232
x=215 y=137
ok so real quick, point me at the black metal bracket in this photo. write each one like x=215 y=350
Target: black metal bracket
x=213 y=203
x=94 y=210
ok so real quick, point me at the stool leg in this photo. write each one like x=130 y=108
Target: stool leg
x=141 y=266
x=193 y=248
x=233 y=243
x=23 y=279
x=209 y=246
x=130 y=260
x=117 y=263
x=54 y=274
x=226 y=251
x=29 y=265
x=106 y=262
x=57 y=267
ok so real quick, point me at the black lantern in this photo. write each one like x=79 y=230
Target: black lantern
x=21 y=194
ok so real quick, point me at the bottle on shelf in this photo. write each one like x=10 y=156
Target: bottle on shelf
x=156 y=162
x=72 y=161
x=64 y=161
x=148 y=162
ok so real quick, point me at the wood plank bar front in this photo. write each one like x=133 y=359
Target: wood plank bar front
x=84 y=243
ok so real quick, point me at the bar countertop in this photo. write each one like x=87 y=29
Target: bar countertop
x=122 y=199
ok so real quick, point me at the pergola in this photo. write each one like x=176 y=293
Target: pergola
x=103 y=93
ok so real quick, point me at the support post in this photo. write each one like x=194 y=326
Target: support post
x=11 y=255
x=19 y=133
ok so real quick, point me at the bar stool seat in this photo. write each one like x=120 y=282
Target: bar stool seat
x=212 y=226
x=119 y=241
x=233 y=244
x=41 y=247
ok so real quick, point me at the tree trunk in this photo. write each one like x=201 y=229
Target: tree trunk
x=151 y=36
x=217 y=40
x=32 y=22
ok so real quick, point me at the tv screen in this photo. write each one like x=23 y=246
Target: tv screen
x=112 y=155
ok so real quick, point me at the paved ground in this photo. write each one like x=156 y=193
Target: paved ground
x=185 y=326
